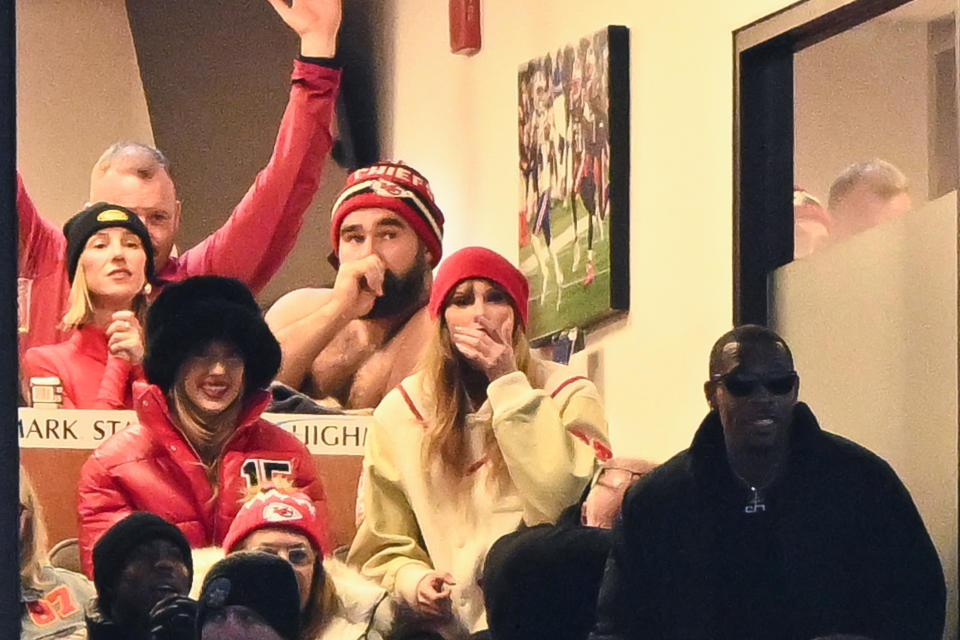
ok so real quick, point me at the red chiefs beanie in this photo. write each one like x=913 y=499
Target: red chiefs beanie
x=480 y=262
x=396 y=187
x=274 y=509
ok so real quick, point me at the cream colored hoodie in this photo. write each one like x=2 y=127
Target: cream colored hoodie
x=551 y=431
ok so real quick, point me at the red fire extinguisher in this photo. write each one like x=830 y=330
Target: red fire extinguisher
x=465 y=26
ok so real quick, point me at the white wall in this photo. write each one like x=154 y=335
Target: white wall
x=78 y=89
x=455 y=119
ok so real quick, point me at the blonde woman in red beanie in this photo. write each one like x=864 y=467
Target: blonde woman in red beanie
x=483 y=438
x=336 y=602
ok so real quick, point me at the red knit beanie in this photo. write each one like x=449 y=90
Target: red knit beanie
x=398 y=188
x=480 y=262
x=274 y=509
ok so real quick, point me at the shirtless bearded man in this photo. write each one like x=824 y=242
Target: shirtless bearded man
x=356 y=341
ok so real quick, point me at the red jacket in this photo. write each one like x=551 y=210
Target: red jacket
x=152 y=467
x=91 y=378
x=250 y=246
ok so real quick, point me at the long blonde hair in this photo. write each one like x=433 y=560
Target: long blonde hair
x=207 y=437
x=80 y=307
x=444 y=381
x=33 y=542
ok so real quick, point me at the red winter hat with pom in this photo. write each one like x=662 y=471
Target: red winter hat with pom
x=275 y=508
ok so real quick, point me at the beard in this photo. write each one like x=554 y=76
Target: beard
x=401 y=292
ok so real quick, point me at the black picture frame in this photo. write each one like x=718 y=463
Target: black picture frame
x=574 y=216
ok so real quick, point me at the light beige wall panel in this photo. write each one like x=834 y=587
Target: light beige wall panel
x=78 y=91
x=873 y=327
x=848 y=111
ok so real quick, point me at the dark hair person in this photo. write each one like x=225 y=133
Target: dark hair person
x=249 y=596
x=485 y=437
x=200 y=442
x=109 y=263
x=143 y=568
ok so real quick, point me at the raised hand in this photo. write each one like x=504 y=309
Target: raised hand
x=359 y=283
x=315 y=21
x=125 y=337
x=487 y=347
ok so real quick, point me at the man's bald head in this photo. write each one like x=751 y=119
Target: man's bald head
x=866 y=194
x=731 y=347
x=753 y=387
x=603 y=502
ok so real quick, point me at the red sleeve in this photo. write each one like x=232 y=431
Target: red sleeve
x=42 y=276
x=262 y=229
x=42 y=245
x=115 y=384
x=100 y=505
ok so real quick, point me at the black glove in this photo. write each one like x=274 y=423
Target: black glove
x=173 y=618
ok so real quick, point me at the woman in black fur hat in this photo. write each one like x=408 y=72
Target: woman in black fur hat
x=201 y=442
x=109 y=262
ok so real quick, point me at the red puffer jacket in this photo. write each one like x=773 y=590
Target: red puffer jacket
x=152 y=467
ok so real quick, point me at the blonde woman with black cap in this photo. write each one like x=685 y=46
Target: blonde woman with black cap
x=485 y=437
x=110 y=263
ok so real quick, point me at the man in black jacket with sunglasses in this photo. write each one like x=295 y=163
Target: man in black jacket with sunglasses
x=768 y=527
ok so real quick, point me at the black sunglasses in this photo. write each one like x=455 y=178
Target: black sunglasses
x=743 y=384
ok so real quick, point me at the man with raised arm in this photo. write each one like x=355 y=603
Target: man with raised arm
x=351 y=344
x=260 y=232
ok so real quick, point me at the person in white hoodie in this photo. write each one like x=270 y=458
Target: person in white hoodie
x=485 y=437
x=336 y=602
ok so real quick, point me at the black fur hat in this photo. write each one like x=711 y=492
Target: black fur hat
x=189 y=315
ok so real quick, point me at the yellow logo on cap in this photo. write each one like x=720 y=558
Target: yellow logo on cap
x=112 y=215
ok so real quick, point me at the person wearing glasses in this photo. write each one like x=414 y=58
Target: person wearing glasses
x=768 y=526
x=200 y=442
x=335 y=600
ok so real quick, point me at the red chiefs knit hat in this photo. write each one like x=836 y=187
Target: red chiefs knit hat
x=274 y=509
x=396 y=187
x=480 y=262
